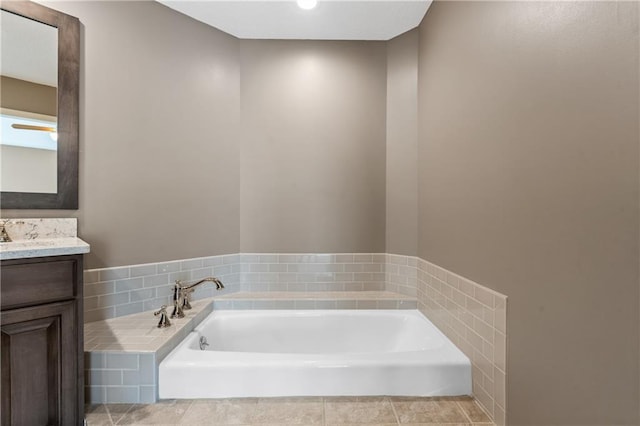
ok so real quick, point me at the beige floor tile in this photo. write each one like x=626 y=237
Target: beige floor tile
x=117 y=411
x=358 y=410
x=473 y=411
x=437 y=424
x=360 y=424
x=298 y=411
x=220 y=411
x=433 y=410
x=97 y=415
x=310 y=411
x=161 y=413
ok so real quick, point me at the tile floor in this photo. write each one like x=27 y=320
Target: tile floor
x=329 y=411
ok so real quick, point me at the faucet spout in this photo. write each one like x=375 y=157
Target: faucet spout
x=182 y=295
x=216 y=281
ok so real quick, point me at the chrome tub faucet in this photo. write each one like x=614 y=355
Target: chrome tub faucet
x=182 y=295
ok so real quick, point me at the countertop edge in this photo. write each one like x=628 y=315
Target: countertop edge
x=41 y=248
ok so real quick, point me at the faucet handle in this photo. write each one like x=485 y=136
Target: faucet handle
x=186 y=298
x=164 y=318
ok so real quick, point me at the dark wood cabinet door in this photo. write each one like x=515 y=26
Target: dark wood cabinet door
x=39 y=362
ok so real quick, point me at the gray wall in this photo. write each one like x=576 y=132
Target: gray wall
x=165 y=165
x=402 y=144
x=313 y=146
x=529 y=181
x=159 y=160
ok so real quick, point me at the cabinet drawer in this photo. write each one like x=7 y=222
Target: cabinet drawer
x=32 y=283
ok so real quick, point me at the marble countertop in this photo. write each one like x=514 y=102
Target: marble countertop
x=41 y=237
x=20 y=249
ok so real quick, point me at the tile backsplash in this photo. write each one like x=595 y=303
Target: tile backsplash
x=113 y=292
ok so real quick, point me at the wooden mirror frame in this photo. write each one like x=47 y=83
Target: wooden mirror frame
x=68 y=27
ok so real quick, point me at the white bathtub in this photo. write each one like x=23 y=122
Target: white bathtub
x=315 y=353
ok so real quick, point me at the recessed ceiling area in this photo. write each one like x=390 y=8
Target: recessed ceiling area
x=329 y=20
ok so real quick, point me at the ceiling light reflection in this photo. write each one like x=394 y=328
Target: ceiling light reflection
x=307 y=4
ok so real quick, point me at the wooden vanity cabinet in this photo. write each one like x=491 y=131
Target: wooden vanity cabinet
x=42 y=341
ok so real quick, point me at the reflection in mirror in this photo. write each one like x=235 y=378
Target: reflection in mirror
x=28 y=105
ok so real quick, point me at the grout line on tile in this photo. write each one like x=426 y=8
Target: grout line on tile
x=393 y=408
x=464 y=411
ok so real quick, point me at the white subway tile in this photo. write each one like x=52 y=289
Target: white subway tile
x=99 y=288
x=147 y=394
x=156 y=280
x=276 y=267
x=105 y=377
x=268 y=258
x=484 y=296
x=112 y=274
x=122 y=394
x=344 y=258
x=287 y=258
x=167 y=267
x=113 y=299
x=362 y=258
x=212 y=261
x=198 y=274
x=354 y=267
x=128 y=284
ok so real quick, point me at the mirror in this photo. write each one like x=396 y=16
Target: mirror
x=39 y=76
x=28 y=105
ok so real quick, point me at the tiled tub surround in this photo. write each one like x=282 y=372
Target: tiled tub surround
x=122 y=354
x=474 y=318
x=470 y=315
x=114 y=292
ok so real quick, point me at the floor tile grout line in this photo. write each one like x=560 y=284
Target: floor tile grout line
x=484 y=410
x=132 y=407
x=464 y=412
x=393 y=408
